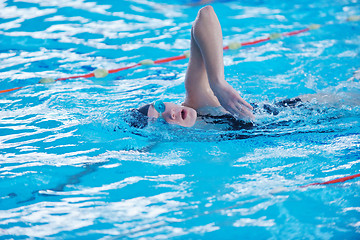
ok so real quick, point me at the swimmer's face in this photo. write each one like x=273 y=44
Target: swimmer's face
x=175 y=114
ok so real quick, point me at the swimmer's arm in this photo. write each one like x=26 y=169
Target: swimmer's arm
x=198 y=91
x=205 y=82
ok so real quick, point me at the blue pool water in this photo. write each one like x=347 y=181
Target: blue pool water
x=66 y=174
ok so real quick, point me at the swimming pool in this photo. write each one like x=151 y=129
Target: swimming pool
x=71 y=168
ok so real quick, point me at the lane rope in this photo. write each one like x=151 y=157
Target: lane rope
x=338 y=180
x=101 y=73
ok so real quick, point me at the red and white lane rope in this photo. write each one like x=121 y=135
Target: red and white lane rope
x=100 y=73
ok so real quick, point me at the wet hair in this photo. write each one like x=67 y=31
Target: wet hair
x=144 y=109
x=137 y=117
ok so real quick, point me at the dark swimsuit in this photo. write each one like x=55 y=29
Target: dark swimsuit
x=274 y=110
x=234 y=124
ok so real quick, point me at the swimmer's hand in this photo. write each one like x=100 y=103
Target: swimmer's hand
x=230 y=99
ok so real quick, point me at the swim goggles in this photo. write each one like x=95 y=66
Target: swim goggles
x=159 y=106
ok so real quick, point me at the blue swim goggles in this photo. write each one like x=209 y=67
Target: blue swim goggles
x=159 y=106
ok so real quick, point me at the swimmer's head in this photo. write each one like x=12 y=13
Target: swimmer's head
x=170 y=112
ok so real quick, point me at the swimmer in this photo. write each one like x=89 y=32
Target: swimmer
x=207 y=91
x=209 y=96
